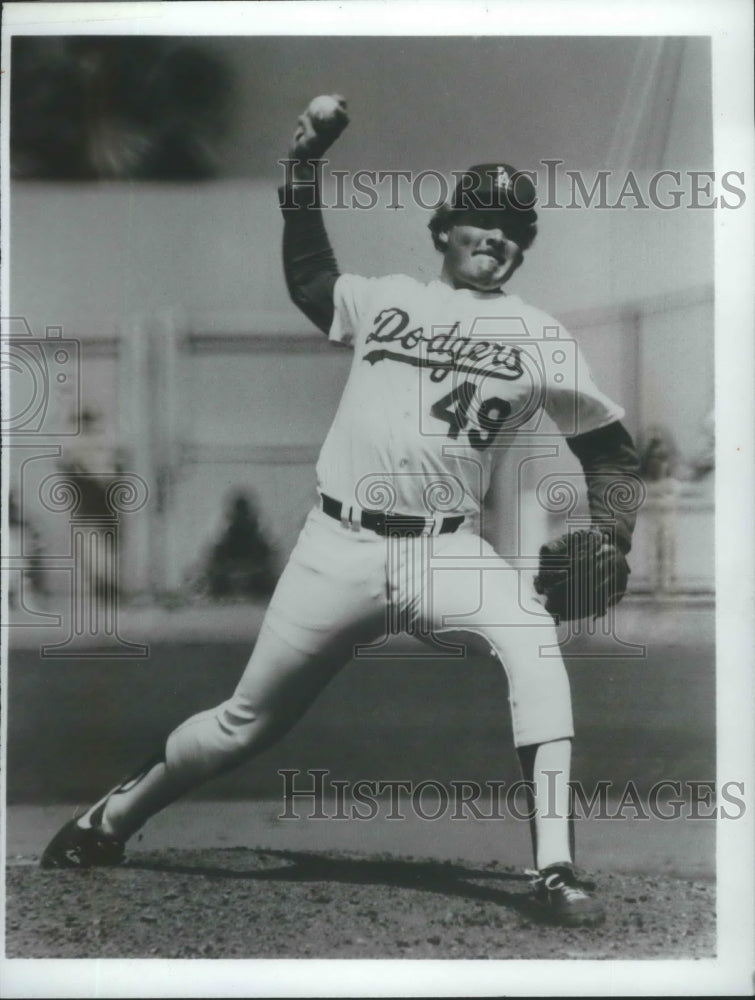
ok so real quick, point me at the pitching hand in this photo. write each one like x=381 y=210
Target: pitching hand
x=319 y=127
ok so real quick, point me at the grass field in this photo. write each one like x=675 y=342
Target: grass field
x=76 y=726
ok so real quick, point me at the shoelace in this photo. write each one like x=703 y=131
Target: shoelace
x=570 y=892
x=555 y=883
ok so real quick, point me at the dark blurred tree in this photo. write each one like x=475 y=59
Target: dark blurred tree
x=91 y=491
x=241 y=563
x=31 y=548
x=124 y=107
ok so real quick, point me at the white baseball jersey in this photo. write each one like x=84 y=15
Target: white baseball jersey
x=441 y=380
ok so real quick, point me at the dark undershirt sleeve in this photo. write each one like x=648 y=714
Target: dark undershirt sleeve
x=611 y=467
x=309 y=264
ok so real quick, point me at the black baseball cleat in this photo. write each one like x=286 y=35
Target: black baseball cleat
x=75 y=846
x=562 y=900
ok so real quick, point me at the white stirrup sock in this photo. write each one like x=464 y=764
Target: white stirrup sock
x=551 y=792
x=547 y=767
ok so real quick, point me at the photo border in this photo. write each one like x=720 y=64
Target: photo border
x=729 y=25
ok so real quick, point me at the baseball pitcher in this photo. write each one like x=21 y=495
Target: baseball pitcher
x=444 y=374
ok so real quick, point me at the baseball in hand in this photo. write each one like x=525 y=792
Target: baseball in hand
x=327 y=110
x=320 y=125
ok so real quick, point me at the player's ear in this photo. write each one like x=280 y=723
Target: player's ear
x=439 y=226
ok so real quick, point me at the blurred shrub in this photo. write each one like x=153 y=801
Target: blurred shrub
x=240 y=563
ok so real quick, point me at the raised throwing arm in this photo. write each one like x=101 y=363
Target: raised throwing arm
x=309 y=264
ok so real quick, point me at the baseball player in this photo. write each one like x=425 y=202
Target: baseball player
x=443 y=375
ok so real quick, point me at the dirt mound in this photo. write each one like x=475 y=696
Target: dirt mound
x=242 y=903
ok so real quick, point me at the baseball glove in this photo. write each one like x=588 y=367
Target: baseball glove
x=581 y=574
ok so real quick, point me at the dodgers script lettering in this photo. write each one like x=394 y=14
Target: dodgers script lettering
x=442 y=352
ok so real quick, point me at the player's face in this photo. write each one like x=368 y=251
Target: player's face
x=478 y=253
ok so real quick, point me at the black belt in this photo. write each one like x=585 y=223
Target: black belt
x=392 y=524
